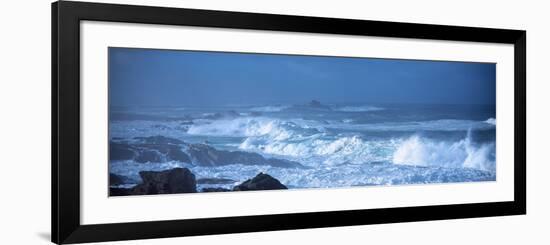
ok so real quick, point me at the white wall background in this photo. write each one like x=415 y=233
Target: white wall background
x=25 y=121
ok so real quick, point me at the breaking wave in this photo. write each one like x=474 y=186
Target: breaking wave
x=309 y=143
x=242 y=127
x=419 y=151
x=318 y=150
x=341 y=145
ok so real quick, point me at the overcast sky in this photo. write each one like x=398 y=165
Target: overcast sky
x=174 y=78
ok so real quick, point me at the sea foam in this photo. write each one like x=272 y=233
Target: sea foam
x=419 y=151
x=432 y=125
x=318 y=149
x=491 y=121
x=241 y=127
x=269 y=108
x=358 y=108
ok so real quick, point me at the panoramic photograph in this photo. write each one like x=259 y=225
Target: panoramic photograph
x=203 y=121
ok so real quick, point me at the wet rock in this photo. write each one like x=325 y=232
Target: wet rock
x=115 y=179
x=119 y=151
x=161 y=149
x=148 y=156
x=176 y=154
x=166 y=149
x=312 y=105
x=159 y=140
x=260 y=182
x=317 y=105
x=149 y=150
x=113 y=191
x=176 y=180
x=205 y=155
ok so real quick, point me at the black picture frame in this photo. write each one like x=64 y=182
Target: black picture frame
x=66 y=17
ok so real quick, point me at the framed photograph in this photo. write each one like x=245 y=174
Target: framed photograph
x=176 y=122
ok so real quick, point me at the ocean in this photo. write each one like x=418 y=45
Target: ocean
x=338 y=145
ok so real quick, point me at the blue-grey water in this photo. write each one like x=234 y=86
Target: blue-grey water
x=341 y=144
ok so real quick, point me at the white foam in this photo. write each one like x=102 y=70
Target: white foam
x=364 y=108
x=491 y=121
x=317 y=149
x=419 y=151
x=433 y=125
x=347 y=120
x=269 y=108
x=241 y=127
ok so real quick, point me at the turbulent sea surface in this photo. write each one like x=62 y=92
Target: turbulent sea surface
x=340 y=145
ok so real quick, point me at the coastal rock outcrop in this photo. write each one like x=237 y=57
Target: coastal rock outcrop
x=115 y=179
x=120 y=151
x=260 y=182
x=312 y=105
x=176 y=180
x=205 y=155
x=317 y=105
x=148 y=149
x=115 y=191
x=155 y=149
x=182 y=180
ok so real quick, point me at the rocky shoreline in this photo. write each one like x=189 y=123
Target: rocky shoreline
x=182 y=180
x=156 y=149
x=160 y=149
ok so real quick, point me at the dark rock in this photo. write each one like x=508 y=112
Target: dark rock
x=113 y=191
x=205 y=155
x=314 y=103
x=177 y=180
x=165 y=152
x=176 y=154
x=170 y=148
x=317 y=105
x=214 y=181
x=115 y=179
x=260 y=182
x=216 y=189
x=225 y=114
x=149 y=149
x=160 y=149
x=159 y=140
x=282 y=163
x=119 y=151
x=149 y=156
